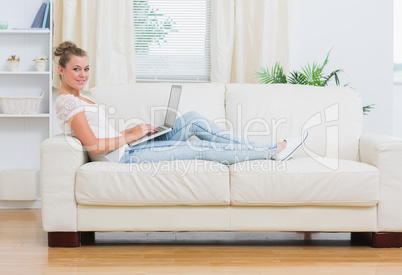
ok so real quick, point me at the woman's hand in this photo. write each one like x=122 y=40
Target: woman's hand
x=146 y=128
x=138 y=132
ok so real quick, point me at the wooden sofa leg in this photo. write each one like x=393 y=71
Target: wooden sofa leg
x=387 y=240
x=87 y=237
x=361 y=238
x=70 y=239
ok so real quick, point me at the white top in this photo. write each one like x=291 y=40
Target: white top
x=68 y=105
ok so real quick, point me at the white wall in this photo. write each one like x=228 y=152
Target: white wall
x=398 y=110
x=361 y=35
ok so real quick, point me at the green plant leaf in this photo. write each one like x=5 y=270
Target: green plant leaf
x=367 y=109
x=326 y=61
x=274 y=76
x=265 y=76
x=297 y=78
x=331 y=75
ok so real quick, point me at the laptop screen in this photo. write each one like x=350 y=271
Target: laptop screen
x=172 y=106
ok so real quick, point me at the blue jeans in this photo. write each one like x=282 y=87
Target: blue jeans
x=215 y=144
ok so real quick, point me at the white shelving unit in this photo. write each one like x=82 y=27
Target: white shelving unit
x=8 y=31
x=23 y=73
x=21 y=135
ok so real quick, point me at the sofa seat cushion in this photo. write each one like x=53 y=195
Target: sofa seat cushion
x=190 y=182
x=304 y=181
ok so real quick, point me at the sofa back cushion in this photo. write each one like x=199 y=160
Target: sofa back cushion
x=128 y=105
x=269 y=113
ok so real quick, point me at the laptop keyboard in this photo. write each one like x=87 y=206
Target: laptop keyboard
x=160 y=128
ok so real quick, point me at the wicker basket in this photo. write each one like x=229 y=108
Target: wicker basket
x=20 y=105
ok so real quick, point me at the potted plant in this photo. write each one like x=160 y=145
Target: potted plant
x=309 y=75
x=13 y=61
x=40 y=62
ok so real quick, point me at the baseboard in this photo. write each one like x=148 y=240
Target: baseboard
x=37 y=204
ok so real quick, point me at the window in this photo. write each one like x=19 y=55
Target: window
x=172 y=40
x=398 y=41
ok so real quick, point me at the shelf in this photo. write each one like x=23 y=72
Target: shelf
x=24 y=73
x=44 y=31
x=22 y=134
x=23 y=115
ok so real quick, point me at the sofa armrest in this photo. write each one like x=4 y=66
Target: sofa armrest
x=385 y=153
x=61 y=156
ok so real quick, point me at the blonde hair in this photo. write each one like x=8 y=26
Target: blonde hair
x=66 y=50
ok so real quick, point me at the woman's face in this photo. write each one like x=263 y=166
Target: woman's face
x=76 y=73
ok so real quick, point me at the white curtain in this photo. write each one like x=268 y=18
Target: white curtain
x=104 y=28
x=247 y=35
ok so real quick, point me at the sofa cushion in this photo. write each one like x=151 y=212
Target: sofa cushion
x=190 y=182
x=304 y=181
x=146 y=102
x=270 y=113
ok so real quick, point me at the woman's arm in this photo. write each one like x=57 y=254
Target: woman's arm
x=94 y=145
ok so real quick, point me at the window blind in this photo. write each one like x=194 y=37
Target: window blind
x=172 y=40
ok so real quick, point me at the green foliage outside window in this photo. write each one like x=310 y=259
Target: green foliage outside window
x=150 y=26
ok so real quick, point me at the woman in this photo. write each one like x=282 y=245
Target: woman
x=76 y=116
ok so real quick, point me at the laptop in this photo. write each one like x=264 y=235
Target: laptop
x=170 y=116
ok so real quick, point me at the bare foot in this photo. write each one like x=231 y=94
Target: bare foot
x=281 y=146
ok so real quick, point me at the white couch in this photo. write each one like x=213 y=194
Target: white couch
x=341 y=181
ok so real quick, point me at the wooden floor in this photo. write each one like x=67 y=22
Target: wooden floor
x=23 y=250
